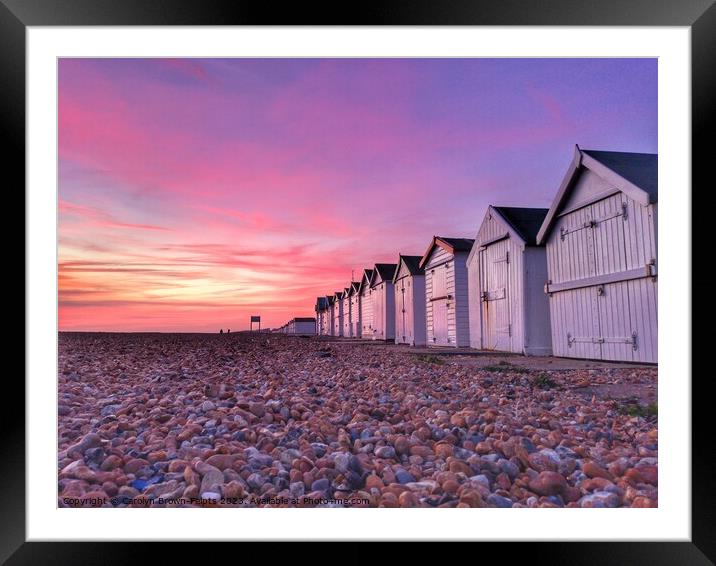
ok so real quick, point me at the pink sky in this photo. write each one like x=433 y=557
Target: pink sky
x=194 y=193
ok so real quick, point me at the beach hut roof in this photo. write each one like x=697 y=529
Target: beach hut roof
x=452 y=245
x=635 y=174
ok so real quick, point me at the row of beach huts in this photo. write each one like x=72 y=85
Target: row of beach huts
x=576 y=280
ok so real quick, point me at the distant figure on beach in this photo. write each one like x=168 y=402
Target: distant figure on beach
x=228 y=330
x=221 y=331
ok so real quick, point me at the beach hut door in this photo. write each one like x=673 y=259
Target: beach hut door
x=494 y=265
x=440 y=309
x=401 y=315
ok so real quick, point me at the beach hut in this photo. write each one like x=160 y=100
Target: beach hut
x=446 y=294
x=383 y=294
x=328 y=316
x=506 y=274
x=329 y=330
x=601 y=240
x=347 y=315
x=366 y=304
x=409 y=283
x=337 y=313
x=321 y=309
x=323 y=317
x=303 y=326
x=355 y=303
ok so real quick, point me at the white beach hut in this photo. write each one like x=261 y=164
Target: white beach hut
x=366 y=304
x=355 y=304
x=601 y=240
x=321 y=309
x=446 y=293
x=383 y=293
x=409 y=283
x=337 y=313
x=303 y=326
x=347 y=315
x=329 y=314
x=506 y=274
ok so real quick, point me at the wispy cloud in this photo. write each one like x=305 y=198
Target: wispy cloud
x=195 y=192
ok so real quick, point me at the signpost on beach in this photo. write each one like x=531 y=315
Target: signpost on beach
x=255 y=318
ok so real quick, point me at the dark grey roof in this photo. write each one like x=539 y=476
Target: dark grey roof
x=367 y=276
x=386 y=270
x=303 y=319
x=641 y=169
x=412 y=262
x=321 y=303
x=456 y=245
x=459 y=244
x=525 y=221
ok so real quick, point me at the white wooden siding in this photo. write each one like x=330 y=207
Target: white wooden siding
x=519 y=321
x=410 y=309
x=450 y=319
x=338 y=318
x=599 y=321
x=366 y=312
x=347 y=317
x=356 y=330
x=383 y=311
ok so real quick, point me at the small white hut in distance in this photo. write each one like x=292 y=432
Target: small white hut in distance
x=506 y=274
x=409 y=282
x=302 y=326
x=446 y=294
x=383 y=294
x=338 y=313
x=366 y=304
x=355 y=304
x=347 y=315
x=601 y=239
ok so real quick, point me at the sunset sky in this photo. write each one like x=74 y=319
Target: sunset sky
x=194 y=193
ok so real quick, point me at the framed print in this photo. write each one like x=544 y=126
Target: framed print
x=297 y=278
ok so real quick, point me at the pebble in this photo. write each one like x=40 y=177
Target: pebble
x=320 y=485
x=403 y=477
x=268 y=414
x=499 y=501
x=384 y=452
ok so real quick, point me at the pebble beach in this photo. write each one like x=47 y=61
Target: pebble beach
x=260 y=419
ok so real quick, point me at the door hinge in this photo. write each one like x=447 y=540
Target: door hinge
x=509 y=330
x=507 y=256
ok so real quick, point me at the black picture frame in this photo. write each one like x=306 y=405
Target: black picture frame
x=699 y=15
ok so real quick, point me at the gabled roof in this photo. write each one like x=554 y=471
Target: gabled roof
x=452 y=245
x=321 y=303
x=385 y=271
x=525 y=221
x=337 y=295
x=345 y=292
x=412 y=264
x=635 y=174
x=640 y=169
x=331 y=299
x=366 y=279
x=355 y=287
